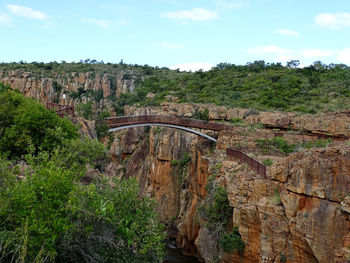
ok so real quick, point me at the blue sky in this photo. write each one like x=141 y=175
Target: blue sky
x=176 y=33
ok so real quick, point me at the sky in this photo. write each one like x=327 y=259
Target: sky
x=189 y=35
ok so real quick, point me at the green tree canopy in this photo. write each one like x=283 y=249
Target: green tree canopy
x=26 y=125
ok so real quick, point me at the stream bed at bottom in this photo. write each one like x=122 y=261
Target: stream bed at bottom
x=174 y=255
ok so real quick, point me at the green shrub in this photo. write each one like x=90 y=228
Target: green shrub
x=219 y=211
x=51 y=216
x=278 y=142
x=236 y=120
x=267 y=162
x=230 y=242
x=101 y=125
x=202 y=115
x=276 y=197
x=85 y=110
x=185 y=159
x=174 y=162
x=26 y=125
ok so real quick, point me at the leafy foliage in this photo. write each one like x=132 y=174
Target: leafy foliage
x=69 y=222
x=316 y=144
x=219 y=210
x=257 y=85
x=279 y=143
x=232 y=241
x=276 y=198
x=101 y=125
x=85 y=110
x=267 y=162
x=26 y=126
x=47 y=213
x=202 y=115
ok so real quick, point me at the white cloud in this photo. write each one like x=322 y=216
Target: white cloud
x=316 y=53
x=196 y=14
x=27 y=12
x=193 y=66
x=333 y=20
x=98 y=22
x=5 y=20
x=344 y=56
x=287 y=32
x=267 y=49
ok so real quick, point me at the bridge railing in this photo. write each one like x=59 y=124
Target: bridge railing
x=61 y=109
x=254 y=164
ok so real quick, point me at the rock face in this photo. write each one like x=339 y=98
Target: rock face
x=295 y=215
x=49 y=89
x=170 y=167
x=300 y=213
x=335 y=123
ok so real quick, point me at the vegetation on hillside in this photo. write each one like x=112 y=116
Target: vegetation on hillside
x=48 y=210
x=256 y=85
x=26 y=126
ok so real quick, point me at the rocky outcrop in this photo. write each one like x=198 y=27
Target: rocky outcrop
x=300 y=213
x=306 y=224
x=335 y=123
x=51 y=88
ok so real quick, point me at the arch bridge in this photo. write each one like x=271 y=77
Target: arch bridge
x=186 y=124
x=182 y=123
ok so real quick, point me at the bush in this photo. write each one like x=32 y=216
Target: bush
x=267 y=162
x=185 y=159
x=219 y=211
x=79 y=152
x=51 y=216
x=101 y=125
x=202 y=115
x=230 y=242
x=276 y=197
x=85 y=110
x=278 y=143
x=27 y=126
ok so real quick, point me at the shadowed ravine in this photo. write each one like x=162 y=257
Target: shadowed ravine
x=174 y=255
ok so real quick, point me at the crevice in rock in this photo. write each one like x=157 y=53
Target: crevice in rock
x=312 y=196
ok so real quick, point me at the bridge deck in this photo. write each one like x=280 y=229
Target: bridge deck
x=170 y=120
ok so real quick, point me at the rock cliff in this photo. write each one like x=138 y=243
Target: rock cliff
x=51 y=88
x=300 y=213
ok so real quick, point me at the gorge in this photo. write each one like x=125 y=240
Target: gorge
x=299 y=213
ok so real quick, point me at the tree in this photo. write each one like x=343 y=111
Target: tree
x=27 y=126
x=51 y=217
x=293 y=64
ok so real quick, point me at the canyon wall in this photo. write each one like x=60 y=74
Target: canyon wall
x=49 y=89
x=299 y=213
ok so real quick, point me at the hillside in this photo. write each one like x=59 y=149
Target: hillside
x=257 y=85
x=216 y=207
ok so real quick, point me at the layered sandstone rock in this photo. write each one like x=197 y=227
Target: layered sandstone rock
x=300 y=213
x=49 y=89
x=335 y=123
